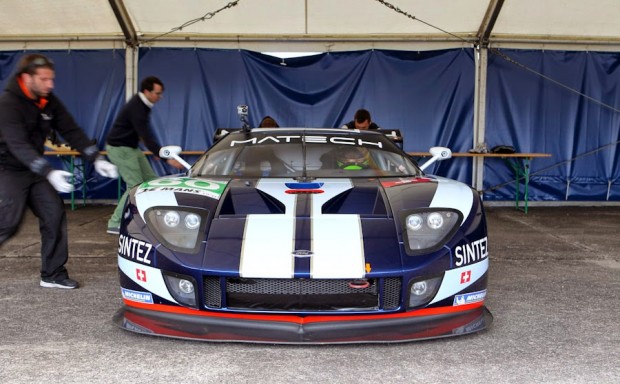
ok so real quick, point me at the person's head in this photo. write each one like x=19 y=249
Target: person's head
x=362 y=119
x=37 y=74
x=152 y=88
x=352 y=158
x=268 y=122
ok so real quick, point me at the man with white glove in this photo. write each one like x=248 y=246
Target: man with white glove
x=106 y=169
x=132 y=126
x=28 y=113
x=59 y=180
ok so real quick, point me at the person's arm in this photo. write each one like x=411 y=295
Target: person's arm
x=70 y=131
x=64 y=124
x=140 y=120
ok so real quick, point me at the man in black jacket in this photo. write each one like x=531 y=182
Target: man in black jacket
x=132 y=125
x=29 y=111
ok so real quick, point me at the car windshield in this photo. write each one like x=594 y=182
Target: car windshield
x=305 y=153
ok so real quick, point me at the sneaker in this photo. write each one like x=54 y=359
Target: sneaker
x=64 y=283
x=113 y=230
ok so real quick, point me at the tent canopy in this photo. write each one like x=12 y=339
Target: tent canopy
x=310 y=25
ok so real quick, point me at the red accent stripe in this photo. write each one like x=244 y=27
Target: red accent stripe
x=303 y=320
x=303 y=191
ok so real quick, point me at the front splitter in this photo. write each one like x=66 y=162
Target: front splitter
x=379 y=329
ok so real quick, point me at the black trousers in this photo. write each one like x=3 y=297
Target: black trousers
x=21 y=189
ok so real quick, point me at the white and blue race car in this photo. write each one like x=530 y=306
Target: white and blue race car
x=304 y=236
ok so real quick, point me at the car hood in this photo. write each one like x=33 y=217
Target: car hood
x=282 y=228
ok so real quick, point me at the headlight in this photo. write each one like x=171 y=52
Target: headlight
x=414 y=222
x=171 y=218
x=182 y=288
x=177 y=228
x=422 y=291
x=428 y=229
x=192 y=221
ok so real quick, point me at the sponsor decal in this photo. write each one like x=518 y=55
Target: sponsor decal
x=209 y=188
x=454 y=279
x=156 y=284
x=307 y=139
x=141 y=275
x=134 y=249
x=471 y=252
x=302 y=253
x=469 y=298
x=465 y=276
x=140 y=297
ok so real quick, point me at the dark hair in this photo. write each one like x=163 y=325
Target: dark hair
x=29 y=63
x=362 y=115
x=268 y=122
x=148 y=83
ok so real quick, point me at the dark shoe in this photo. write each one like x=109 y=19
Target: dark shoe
x=64 y=283
x=113 y=230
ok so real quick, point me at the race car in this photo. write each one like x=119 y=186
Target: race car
x=304 y=236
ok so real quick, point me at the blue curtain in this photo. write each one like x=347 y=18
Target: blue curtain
x=427 y=95
x=535 y=114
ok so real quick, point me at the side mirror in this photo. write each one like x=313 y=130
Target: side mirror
x=172 y=152
x=438 y=154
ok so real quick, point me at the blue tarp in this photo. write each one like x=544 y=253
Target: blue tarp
x=537 y=114
x=428 y=95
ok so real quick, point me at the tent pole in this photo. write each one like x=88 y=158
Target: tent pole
x=480 y=92
x=131 y=71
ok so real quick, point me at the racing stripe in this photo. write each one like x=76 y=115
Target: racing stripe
x=268 y=239
x=303 y=235
x=303 y=242
x=337 y=242
x=453 y=194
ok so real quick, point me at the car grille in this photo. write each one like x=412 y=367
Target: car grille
x=301 y=294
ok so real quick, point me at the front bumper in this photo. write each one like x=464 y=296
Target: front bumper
x=217 y=327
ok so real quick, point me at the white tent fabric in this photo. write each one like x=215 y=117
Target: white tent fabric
x=310 y=25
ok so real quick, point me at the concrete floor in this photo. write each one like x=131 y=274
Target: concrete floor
x=554 y=291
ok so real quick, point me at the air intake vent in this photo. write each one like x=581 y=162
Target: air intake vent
x=304 y=294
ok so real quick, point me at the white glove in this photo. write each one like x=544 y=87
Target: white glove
x=58 y=179
x=106 y=169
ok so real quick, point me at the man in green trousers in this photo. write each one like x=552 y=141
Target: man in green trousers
x=132 y=125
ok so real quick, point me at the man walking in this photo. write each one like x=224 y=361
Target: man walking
x=29 y=112
x=132 y=125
